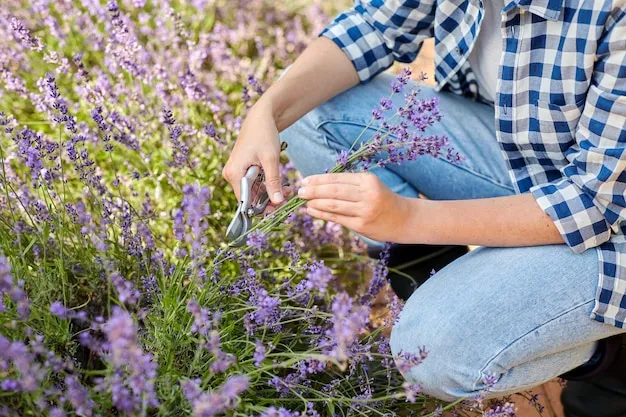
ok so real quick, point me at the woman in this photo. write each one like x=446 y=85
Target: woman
x=533 y=94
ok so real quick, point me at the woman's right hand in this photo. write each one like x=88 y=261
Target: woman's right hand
x=258 y=144
x=321 y=72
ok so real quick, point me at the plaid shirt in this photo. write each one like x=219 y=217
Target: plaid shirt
x=560 y=104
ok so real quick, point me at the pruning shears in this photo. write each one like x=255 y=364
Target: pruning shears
x=254 y=199
x=252 y=202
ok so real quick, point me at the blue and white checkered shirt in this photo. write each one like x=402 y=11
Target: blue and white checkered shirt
x=560 y=104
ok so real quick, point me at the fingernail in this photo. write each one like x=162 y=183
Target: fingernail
x=278 y=197
x=301 y=191
x=305 y=181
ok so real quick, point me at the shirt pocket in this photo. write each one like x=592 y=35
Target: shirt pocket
x=553 y=128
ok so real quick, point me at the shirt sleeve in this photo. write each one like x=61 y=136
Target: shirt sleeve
x=588 y=203
x=374 y=33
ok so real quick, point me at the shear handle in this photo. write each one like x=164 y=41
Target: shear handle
x=246 y=186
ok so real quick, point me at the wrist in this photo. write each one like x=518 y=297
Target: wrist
x=410 y=227
x=272 y=105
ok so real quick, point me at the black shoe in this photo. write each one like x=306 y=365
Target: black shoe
x=411 y=265
x=598 y=388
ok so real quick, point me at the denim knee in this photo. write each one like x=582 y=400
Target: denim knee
x=448 y=372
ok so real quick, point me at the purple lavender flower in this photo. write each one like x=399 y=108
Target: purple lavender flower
x=267 y=312
x=405 y=361
x=211 y=132
x=58 y=104
x=150 y=286
x=342 y=158
x=124 y=50
x=234 y=386
x=490 y=380
x=386 y=103
x=132 y=383
x=534 y=401
x=379 y=276
x=14 y=290
x=58 y=309
x=348 y=323
x=34 y=150
x=96 y=115
x=201 y=318
x=194 y=89
x=6 y=279
x=387 y=361
x=190 y=221
x=78 y=396
x=213 y=403
x=279 y=412
x=57 y=412
x=254 y=83
x=257 y=239
x=23 y=34
x=310 y=411
x=395 y=308
x=260 y=352
x=126 y=292
x=401 y=80
x=438 y=411
x=180 y=149
x=318 y=277
x=24 y=360
x=411 y=391
x=420 y=113
x=292 y=252
x=191 y=389
x=281 y=385
x=78 y=60
x=10 y=385
x=222 y=362
x=505 y=410
x=245 y=95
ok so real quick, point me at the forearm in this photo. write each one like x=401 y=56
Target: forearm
x=321 y=72
x=502 y=221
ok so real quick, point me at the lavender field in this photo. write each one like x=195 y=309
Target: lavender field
x=119 y=295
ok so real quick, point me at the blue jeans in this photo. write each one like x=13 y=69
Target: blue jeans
x=521 y=314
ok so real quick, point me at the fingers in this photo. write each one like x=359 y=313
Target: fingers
x=339 y=178
x=346 y=192
x=346 y=221
x=270 y=164
x=233 y=175
x=345 y=208
x=272 y=207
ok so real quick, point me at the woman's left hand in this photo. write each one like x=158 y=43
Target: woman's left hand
x=358 y=201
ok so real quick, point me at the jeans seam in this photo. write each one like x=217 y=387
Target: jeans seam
x=318 y=125
x=539 y=326
x=464 y=168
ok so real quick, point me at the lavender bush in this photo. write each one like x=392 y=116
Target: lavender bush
x=118 y=295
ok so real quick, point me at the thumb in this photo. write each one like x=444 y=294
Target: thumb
x=270 y=164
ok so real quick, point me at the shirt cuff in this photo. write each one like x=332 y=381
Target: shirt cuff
x=361 y=42
x=574 y=214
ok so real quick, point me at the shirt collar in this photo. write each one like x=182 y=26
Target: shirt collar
x=548 y=9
